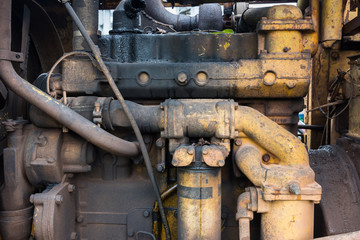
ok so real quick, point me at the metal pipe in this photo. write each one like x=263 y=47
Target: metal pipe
x=199 y=202
x=287 y=147
x=95 y=50
x=88 y=12
x=80 y=125
x=250 y=18
x=244 y=216
x=331 y=22
x=156 y=10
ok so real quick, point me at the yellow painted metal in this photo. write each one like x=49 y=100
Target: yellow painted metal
x=287 y=182
x=331 y=22
x=284 y=145
x=199 y=203
x=353 y=93
x=288 y=220
x=311 y=40
x=283 y=40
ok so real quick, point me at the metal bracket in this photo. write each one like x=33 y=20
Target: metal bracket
x=11 y=56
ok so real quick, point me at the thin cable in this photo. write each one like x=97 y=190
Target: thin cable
x=317 y=98
x=132 y=121
x=61 y=59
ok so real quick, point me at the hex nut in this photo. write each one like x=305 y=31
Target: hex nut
x=182 y=77
x=146 y=213
x=71 y=188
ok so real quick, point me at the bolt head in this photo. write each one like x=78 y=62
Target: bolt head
x=160 y=143
x=294 y=188
x=191 y=151
x=50 y=160
x=59 y=199
x=221 y=163
x=160 y=167
x=238 y=142
x=71 y=188
x=182 y=77
x=146 y=213
x=205 y=150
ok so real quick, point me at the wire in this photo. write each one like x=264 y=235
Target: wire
x=132 y=121
x=61 y=59
x=317 y=98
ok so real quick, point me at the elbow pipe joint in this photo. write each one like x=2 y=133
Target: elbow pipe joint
x=287 y=148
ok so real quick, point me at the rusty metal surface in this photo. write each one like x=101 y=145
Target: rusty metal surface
x=196 y=97
x=54 y=214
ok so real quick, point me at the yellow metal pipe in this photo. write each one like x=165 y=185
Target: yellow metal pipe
x=244 y=216
x=279 y=41
x=331 y=21
x=248 y=159
x=283 y=144
x=311 y=40
x=288 y=220
x=199 y=202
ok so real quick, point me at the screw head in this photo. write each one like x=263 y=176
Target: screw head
x=50 y=160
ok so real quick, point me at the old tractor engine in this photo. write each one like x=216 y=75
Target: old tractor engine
x=178 y=126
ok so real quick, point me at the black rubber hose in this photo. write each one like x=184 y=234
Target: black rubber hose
x=121 y=99
x=52 y=107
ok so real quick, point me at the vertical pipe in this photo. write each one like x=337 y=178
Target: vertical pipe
x=88 y=12
x=199 y=202
x=288 y=220
x=244 y=229
x=331 y=21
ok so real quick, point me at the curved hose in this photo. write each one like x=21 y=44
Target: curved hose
x=55 y=109
x=156 y=10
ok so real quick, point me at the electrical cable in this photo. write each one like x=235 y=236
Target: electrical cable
x=132 y=121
